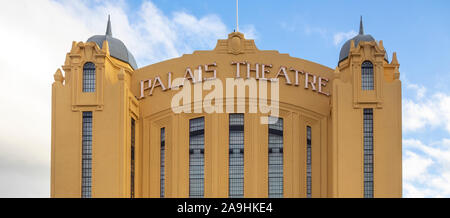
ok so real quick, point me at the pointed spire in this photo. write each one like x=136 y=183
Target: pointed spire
x=361 y=28
x=108 y=27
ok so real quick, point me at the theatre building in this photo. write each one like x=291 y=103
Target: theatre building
x=119 y=130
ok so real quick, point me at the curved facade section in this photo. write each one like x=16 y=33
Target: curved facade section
x=234 y=121
x=300 y=105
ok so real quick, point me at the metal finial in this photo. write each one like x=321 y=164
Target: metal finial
x=108 y=27
x=361 y=27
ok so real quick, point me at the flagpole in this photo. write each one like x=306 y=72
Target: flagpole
x=237 y=15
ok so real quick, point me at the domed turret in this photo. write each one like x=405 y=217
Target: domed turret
x=360 y=37
x=117 y=48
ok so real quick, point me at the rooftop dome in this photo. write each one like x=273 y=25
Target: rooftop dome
x=117 y=48
x=360 y=37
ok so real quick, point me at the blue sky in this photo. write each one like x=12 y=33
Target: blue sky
x=155 y=30
x=417 y=30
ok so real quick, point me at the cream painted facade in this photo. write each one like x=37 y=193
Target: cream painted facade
x=335 y=117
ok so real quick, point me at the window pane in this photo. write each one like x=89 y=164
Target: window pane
x=89 y=77
x=276 y=159
x=196 y=157
x=86 y=165
x=236 y=156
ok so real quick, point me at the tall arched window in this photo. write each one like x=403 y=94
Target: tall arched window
x=367 y=78
x=368 y=152
x=197 y=157
x=275 y=169
x=89 y=77
x=236 y=156
x=86 y=157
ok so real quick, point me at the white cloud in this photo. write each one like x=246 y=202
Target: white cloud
x=419 y=89
x=410 y=191
x=417 y=115
x=426 y=110
x=158 y=37
x=249 y=31
x=415 y=165
x=426 y=168
x=343 y=36
x=36 y=35
x=151 y=36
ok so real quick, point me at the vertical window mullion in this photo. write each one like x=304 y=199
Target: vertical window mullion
x=132 y=165
x=86 y=160
x=196 y=157
x=308 y=162
x=236 y=156
x=275 y=168
x=163 y=158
